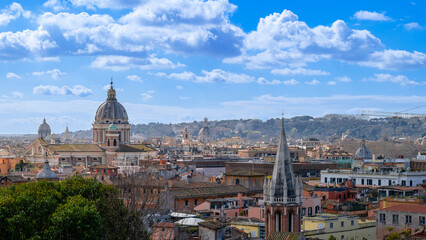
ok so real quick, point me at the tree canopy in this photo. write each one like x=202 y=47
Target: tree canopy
x=74 y=208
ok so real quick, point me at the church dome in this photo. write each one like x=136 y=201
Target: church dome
x=363 y=152
x=44 y=129
x=111 y=111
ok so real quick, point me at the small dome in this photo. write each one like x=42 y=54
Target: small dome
x=111 y=111
x=112 y=127
x=363 y=152
x=44 y=129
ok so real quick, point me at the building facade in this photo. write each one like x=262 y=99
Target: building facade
x=399 y=218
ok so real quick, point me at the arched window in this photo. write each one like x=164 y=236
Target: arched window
x=79 y=159
x=237 y=182
x=95 y=159
x=115 y=142
x=278 y=223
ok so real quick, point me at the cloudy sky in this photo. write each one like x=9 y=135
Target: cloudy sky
x=182 y=60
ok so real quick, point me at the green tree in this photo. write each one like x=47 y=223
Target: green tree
x=331 y=237
x=74 y=208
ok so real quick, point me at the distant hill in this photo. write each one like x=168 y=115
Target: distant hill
x=296 y=128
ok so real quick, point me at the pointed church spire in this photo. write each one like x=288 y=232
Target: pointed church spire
x=283 y=182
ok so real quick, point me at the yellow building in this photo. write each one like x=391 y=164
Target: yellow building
x=253 y=226
x=340 y=226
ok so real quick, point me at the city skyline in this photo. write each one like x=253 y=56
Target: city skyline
x=184 y=60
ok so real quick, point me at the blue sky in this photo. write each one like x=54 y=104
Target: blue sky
x=182 y=60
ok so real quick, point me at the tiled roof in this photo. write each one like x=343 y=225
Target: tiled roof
x=75 y=148
x=212 y=224
x=208 y=191
x=284 y=236
x=414 y=208
x=135 y=148
x=244 y=172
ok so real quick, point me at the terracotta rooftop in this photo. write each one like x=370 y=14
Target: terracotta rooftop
x=208 y=191
x=212 y=224
x=75 y=148
x=284 y=236
x=414 y=208
x=135 y=148
x=244 y=172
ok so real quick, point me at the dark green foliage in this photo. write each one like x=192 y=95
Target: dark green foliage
x=75 y=208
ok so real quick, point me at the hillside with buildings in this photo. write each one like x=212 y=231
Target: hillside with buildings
x=297 y=127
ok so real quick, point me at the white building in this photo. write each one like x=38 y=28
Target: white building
x=369 y=178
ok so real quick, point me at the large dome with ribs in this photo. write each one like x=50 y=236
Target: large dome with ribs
x=111 y=111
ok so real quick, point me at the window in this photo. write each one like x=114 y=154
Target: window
x=422 y=221
x=325 y=180
x=63 y=159
x=382 y=218
x=403 y=183
x=79 y=159
x=342 y=224
x=196 y=202
x=411 y=183
x=362 y=181
x=380 y=182
x=390 y=183
x=309 y=211
x=395 y=219
x=303 y=211
x=331 y=225
x=352 y=222
x=186 y=202
x=408 y=219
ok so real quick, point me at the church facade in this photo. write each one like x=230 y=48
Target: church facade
x=110 y=141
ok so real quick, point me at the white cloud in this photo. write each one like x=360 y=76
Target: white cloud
x=412 y=26
x=134 y=78
x=77 y=90
x=192 y=27
x=313 y=82
x=344 y=79
x=282 y=40
x=399 y=79
x=262 y=80
x=184 y=98
x=216 y=75
x=18 y=94
x=121 y=63
x=11 y=13
x=147 y=96
x=160 y=74
x=56 y=5
x=54 y=73
x=179 y=87
x=332 y=83
x=12 y=75
x=395 y=60
x=373 y=16
x=299 y=71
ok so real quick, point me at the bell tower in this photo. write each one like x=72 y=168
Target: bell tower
x=282 y=193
